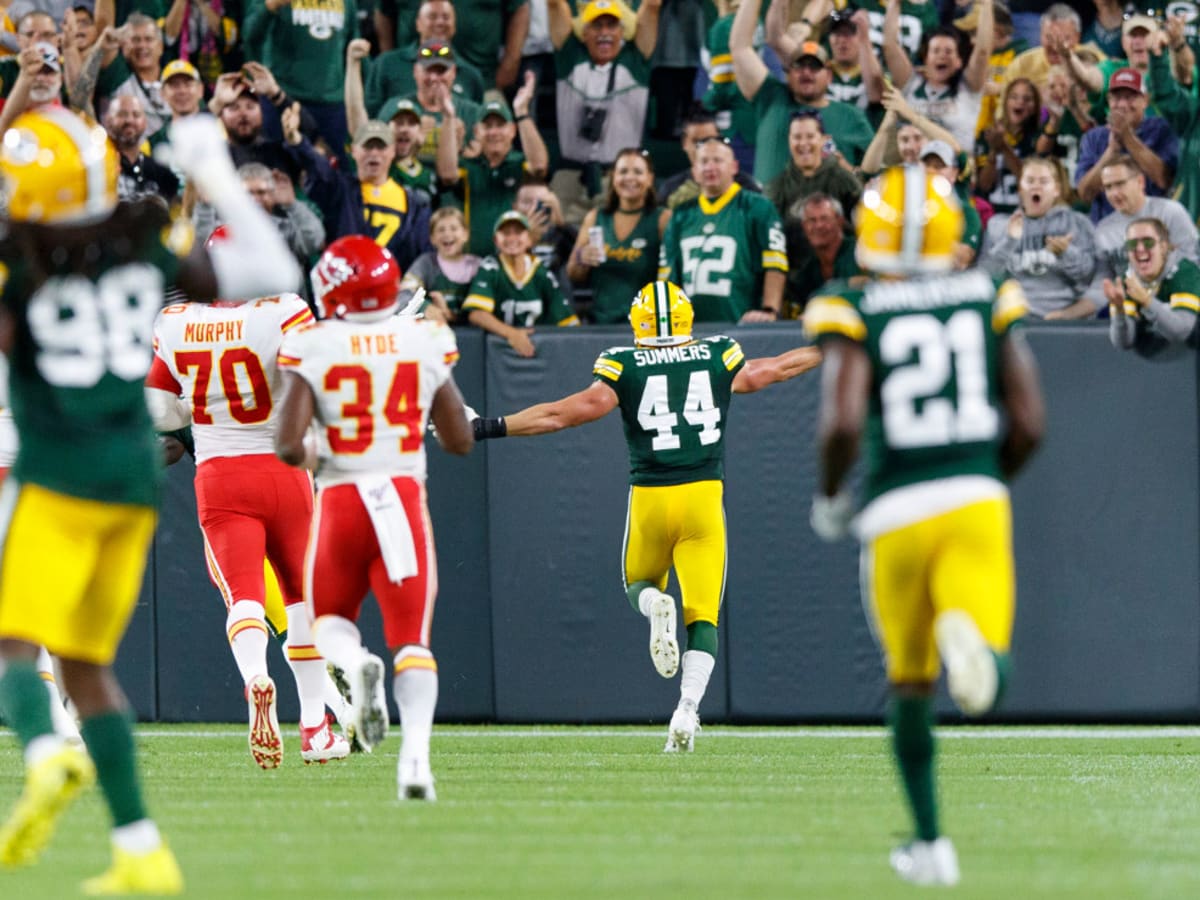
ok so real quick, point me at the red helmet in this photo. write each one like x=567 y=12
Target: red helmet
x=219 y=235
x=355 y=278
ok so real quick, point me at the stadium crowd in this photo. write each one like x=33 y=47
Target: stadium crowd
x=588 y=146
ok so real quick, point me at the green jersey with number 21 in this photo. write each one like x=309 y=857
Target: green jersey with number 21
x=934 y=350
x=84 y=345
x=674 y=403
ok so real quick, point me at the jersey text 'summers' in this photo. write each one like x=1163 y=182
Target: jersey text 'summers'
x=934 y=350
x=674 y=405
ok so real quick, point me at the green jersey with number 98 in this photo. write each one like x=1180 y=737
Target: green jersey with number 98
x=82 y=348
x=674 y=404
x=934 y=349
x=717 y=251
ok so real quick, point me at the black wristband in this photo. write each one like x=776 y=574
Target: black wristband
x=771 y=310
x=485 y=427
x=520 y=119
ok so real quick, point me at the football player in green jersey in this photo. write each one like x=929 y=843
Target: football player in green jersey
x=932 y=368
x=81 y=280
x=673 y=391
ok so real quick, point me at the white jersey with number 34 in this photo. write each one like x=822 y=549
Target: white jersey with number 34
x=222 y=358
x=374 y=384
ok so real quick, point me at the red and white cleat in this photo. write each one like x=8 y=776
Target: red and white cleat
x=320 y=744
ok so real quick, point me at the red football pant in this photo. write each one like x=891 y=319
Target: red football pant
x=251 y=508
x=344 y=561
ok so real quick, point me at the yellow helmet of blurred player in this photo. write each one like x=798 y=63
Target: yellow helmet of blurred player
x=58 y=168
x=908 y=223
x=661 y=315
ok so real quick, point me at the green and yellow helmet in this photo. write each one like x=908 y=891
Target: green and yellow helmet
x=661 y=315
x=908 y=223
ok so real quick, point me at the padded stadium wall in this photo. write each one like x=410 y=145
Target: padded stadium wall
x=532 y=624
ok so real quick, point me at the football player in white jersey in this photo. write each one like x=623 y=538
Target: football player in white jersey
x=372 y=380
x=221 y=357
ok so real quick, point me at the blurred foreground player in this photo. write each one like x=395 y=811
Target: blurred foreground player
x=82 y=280
x=372 y=380
x=934 y=368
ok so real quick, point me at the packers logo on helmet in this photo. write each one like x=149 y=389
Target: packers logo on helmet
x=908 y=223
x=661 y=315
x=58 y=168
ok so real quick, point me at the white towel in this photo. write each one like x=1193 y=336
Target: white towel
x=391 y=526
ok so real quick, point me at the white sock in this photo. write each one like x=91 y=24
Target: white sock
x=339 y=641
x=644 y=599
x=64 y=723
x=697 y=669
x=308 y=666
x=416 y=689
x=137 y=837
x=246 y=626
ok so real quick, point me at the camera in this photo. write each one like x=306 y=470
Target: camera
x=591 y=127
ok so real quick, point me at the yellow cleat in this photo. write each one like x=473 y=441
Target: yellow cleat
x=50 y=786
x=155 y=872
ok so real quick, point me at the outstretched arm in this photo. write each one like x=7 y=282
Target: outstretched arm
x=449 y=417
x=588 y=405
x=765 y=371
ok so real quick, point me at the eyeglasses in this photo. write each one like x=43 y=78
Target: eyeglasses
x=434 y=52
x=1146 y=243
x=1117 y=183
x=808 y=62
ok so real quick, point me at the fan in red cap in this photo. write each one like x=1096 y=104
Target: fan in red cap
x=357 y=280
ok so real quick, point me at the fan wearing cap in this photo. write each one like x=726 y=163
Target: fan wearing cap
x=947 y=90
x=32 y=27
x=39 y=83
x=512 y=291
x=603 y=89
x=368 y=201
x=775 y=102
x=402 y=114
x=1138 y=33
x=1149 y=140
x=305 y=47
x=435 y=73
x=486 y=185
x=390 y=74
x=183 y=90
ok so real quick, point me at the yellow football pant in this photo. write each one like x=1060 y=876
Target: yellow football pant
x=71 y=570
x=680 y=525
x=960 y=560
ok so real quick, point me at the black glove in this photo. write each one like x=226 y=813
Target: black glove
x=485 y=428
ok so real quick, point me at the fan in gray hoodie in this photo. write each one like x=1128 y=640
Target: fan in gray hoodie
x=1046 y=246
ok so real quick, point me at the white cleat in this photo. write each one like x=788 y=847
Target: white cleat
x=664 y=648
x=345 y=718
x=320 y=744
x=970 y=667
x=368 y=709
x=681 y=733
x=416 y=780
x=927 y=862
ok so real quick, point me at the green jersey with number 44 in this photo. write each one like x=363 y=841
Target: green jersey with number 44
x=83 y=346
x=674 y=402
x=717 y=251
x=934 y=350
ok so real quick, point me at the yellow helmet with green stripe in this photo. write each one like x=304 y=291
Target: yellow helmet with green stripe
x=58 y=168
x=661 y=315
x=908 y=223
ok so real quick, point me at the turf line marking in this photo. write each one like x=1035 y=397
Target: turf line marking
x=1015 y=732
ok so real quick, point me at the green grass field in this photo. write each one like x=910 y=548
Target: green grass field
x=561 y=812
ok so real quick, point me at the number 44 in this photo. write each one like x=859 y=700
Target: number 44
x=699 y=411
